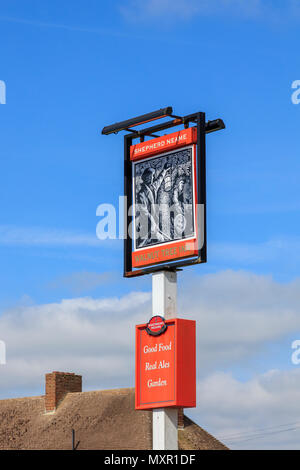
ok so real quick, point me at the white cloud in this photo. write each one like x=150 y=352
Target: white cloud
x=245 y=254
x=80 y=282
x=166 y=10
x=136 y=9
x=94 y=337
x=74 y=28
x=276 y=249
x=37 y=236
x=262 y=413
x=237 y=314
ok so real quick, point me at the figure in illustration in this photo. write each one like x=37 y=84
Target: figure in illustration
x=147 y=200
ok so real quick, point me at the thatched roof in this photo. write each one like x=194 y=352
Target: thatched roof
x=101 y=420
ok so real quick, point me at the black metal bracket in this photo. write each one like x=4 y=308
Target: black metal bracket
x=203 y=128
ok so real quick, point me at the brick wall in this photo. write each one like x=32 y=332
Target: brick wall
x=57 y=385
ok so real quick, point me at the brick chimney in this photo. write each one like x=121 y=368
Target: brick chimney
x=57 y=385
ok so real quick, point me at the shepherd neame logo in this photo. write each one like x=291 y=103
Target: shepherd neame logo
x=156 y=326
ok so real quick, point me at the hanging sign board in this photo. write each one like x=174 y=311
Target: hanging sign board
x=166 y=366
x=165 y=225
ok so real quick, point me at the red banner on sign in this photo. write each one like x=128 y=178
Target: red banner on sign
x=171 y=252
x=166 y=366
x=164 y=144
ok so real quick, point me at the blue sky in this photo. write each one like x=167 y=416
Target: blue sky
x=72 y=67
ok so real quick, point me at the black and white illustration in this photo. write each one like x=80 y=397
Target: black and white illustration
x=164 y=198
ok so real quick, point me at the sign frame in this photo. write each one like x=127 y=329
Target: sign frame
x=200 y=254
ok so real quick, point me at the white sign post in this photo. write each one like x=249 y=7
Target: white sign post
x=164 y=303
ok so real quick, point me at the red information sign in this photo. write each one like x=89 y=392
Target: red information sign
x=166 y=366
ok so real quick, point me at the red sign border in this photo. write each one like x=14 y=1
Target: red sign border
x=191 y=243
